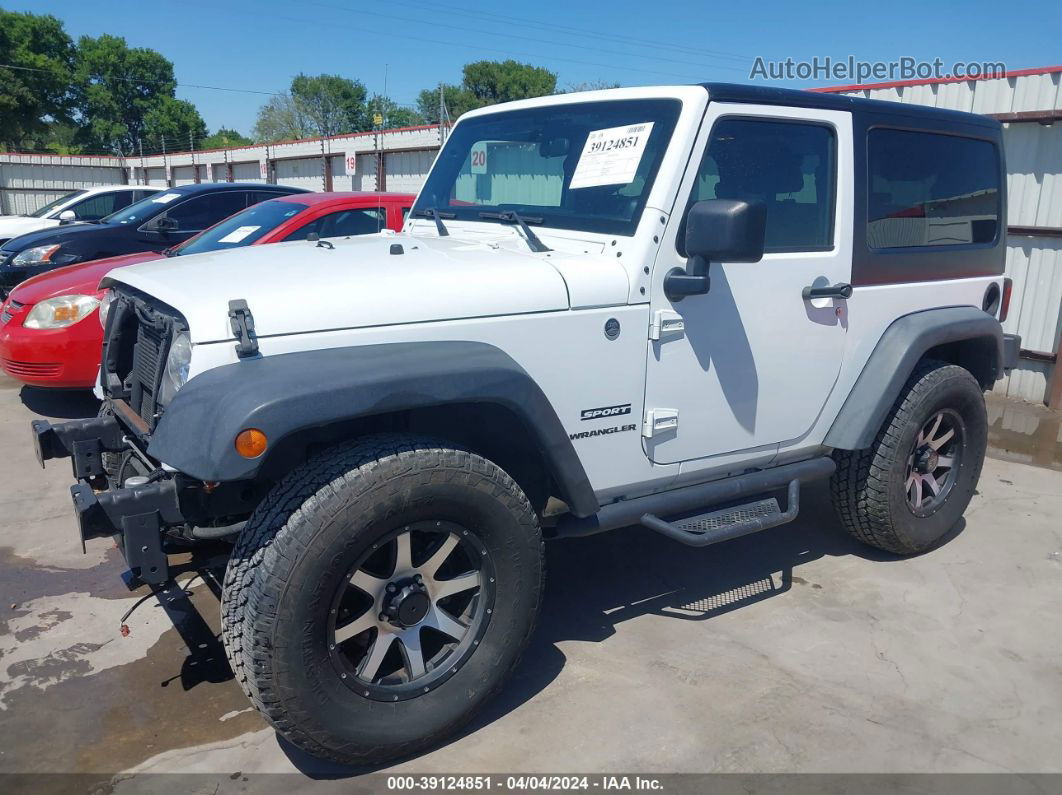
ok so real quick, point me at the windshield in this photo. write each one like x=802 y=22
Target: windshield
x=587 y=166
x=143 y=209
x=43 y=211
x=243 y=228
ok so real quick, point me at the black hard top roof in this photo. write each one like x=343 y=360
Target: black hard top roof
x=766 y=95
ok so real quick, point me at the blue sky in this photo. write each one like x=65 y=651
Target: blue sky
x=261 y=44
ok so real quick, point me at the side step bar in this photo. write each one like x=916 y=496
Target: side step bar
x=728 y=523
x=677 y=502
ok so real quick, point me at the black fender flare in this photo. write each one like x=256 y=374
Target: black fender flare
x=894 y=358
x=287 y=393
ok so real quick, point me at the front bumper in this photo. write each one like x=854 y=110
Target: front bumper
x=135 y=517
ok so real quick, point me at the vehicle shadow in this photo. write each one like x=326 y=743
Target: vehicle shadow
x=66 y=404
x=595 y=583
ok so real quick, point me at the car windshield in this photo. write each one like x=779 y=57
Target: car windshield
x=586 y=166
x=143 y=209
x=43 y=211
x=243 y=228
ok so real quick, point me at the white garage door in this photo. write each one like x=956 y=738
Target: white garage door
x=246 y=172
x=341 y=179
x=302 y=173
x=365 y=175
x=184 y=175
x=157 y=177
x=406 y=171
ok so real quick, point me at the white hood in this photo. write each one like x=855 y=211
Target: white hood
x=301 y=287
x=15 y=225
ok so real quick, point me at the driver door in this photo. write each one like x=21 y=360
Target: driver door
x=749 y=365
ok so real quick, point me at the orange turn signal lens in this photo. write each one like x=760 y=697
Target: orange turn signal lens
x=251 y=443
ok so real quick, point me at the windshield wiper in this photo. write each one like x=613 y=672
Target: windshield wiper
x=513 y=217
x=431 y=212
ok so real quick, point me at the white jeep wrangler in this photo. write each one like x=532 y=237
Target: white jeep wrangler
x=654 y=306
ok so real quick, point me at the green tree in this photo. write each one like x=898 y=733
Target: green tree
x=458 y=100
x=224 y=137
x=394 y=114
x=116 y=88
x=175 y=123
x=333 y=104
x=487 y=83
x=38 y=92
x=281 y=119
x=491 y=82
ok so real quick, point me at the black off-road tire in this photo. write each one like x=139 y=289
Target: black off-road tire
x=868 y=488
x=298 y=546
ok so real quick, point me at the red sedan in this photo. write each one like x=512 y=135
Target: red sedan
x=50 y=333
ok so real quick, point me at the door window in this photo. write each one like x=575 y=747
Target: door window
x=102 y=205
x=360 y=221
x=789 y=166
x=199 y=212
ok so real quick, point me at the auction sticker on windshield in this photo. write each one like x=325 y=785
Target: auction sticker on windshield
x=165 y=198
x=238 y=234
x=611 y=157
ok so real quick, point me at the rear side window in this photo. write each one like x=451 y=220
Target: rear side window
x=789 y=166
x=927 y=189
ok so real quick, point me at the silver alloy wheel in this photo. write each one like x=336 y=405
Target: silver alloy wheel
x=424 y=596
x=934 y=462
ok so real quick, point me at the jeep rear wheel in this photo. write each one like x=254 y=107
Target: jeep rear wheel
x=906 y=492
x=380 y=595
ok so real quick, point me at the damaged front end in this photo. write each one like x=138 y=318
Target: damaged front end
x=151 y=511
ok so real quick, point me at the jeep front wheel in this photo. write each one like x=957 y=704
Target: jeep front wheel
x=907 y=491
x=380 y=595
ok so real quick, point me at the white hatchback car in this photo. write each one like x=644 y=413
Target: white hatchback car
x=84 y=204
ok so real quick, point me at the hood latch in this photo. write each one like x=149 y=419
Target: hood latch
x=242 y=322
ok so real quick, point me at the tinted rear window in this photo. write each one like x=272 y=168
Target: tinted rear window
x=927 y=189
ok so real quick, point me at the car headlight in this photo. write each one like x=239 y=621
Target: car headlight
x=42 y=255
x=176 y=367
x=61 y=311
x=105 y=306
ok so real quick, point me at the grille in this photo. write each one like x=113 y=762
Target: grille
x=146 y=375
x=11 y=308
x=139 y=332
x=32 y=369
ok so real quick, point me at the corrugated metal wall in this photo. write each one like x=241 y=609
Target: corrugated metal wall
x=30 y=182
x=1034 y=186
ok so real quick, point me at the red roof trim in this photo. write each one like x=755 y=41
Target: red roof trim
x=1040 y=70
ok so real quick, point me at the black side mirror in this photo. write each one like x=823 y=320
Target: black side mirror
x=166 y=224
x=723 y=230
